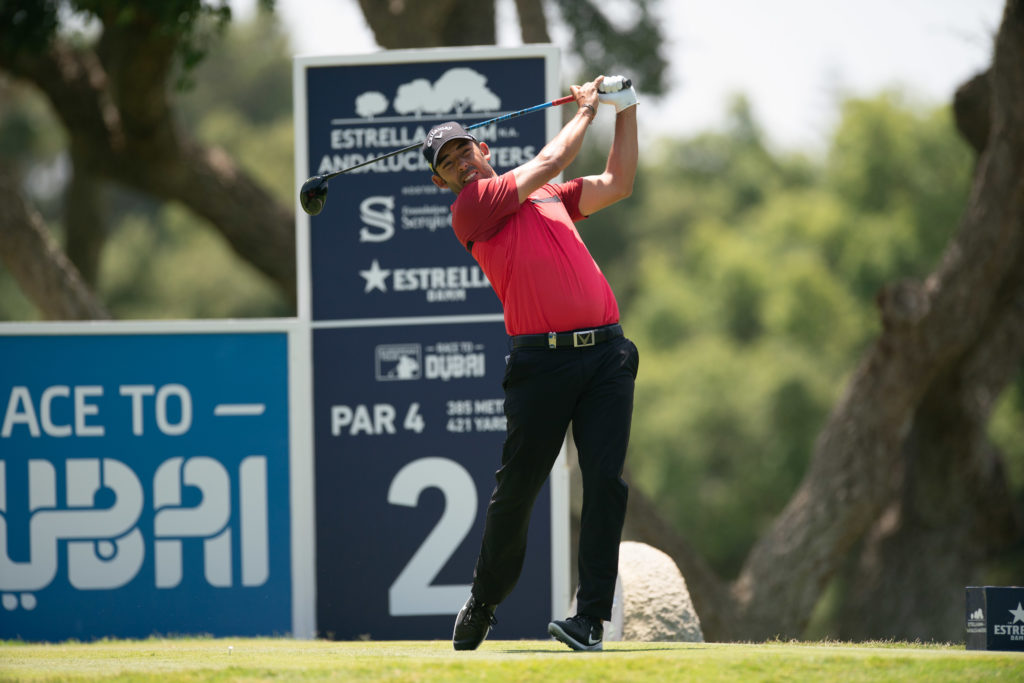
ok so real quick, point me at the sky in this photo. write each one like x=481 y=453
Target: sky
x=793 y=59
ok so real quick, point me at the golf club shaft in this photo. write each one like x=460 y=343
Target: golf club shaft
x=498 y=119
x=529 y=110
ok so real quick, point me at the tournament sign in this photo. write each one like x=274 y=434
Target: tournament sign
x=409 y=427
x=383 y=245
x=409 y=343
x=144 y=485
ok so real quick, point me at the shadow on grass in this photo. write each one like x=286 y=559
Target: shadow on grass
x=558 y=648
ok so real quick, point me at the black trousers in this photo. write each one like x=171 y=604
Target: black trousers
x=545 y=389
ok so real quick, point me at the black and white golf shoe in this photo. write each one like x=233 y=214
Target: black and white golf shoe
x=579 y=632
x=473 y=624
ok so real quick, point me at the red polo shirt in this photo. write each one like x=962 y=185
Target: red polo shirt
x=542 y=272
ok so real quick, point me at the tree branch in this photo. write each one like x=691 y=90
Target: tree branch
x=971 y=110
x=83 y=220
x=406 y=23
x=45 y=274
x=955 y=509
x=138 y=56
x=533 y=24
x=76 y=85
x=258 y=227
x=141 y=148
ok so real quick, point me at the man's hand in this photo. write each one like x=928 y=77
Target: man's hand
x=587 y=94
x=613 y=90
x=563 y=148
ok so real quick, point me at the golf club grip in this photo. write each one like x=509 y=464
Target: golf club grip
x=626 y=83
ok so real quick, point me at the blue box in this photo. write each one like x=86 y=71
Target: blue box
x=995 y=618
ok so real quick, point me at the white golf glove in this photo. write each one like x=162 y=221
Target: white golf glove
x=617 y=90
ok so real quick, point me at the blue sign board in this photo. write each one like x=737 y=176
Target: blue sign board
x=383 y=245
x=144 y=485
x=409 y=343
x=995 y=618
x=408 y=429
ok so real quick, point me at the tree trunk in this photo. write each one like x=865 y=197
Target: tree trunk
x=954 y=509
x=972 y=110
x=209 y=182
x=533 y=24
x=46 y=276
x=398 y=24
x=927 y=331
x=84 y=222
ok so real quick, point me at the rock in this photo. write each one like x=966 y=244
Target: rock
x=651 y=600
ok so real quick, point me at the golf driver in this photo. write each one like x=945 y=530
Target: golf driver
x=313 y=194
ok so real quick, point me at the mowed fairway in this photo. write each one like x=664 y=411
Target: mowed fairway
x=248 y=659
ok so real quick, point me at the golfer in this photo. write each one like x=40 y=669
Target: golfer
x=569 y=361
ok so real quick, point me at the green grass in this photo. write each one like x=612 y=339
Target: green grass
x=259 y=659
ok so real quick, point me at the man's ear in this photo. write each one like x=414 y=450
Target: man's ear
x=486 y=151
x=439 y=181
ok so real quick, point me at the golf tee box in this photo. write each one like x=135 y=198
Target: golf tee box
x=995 y=618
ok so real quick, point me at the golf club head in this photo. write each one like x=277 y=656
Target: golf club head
x=313 y=195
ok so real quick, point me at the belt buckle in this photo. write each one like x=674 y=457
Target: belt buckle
x=583 y=338
x=552 y=340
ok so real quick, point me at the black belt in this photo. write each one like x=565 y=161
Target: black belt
x=568 y=340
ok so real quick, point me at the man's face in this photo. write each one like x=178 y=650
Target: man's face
x=460 y=163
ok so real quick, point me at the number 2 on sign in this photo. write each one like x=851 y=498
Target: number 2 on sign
x=412 y=593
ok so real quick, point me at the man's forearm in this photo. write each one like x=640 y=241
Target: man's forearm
x=564 y=147
x=623 y=156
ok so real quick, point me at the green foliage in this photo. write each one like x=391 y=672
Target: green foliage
x=751 y=286
x=747 y=279
x=32 y=142
x=171 y=266
x=1006 y=429
x=243 y=103
x=248 y=72
x=721 y=435
x=902 y=166
x=28 y=26
x=616 y=47
x=167 y=263
x=13 y=304
x=192 y=24
x=161 y=262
